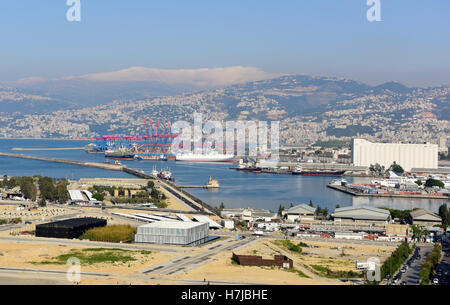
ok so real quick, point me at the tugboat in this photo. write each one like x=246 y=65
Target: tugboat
x=323 y=173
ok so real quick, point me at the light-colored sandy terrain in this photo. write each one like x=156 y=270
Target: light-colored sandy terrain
x=323 y=254
x=23 y=255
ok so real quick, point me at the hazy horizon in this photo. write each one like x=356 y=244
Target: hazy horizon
x=329 y=38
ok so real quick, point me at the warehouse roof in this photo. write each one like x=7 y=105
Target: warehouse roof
x=173 y=224
x=362 y=212
x=301 y=209
x=422 y=214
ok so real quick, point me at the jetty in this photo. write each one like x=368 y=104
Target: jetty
x=388 y=195
x=107 y=166
x=47 y=149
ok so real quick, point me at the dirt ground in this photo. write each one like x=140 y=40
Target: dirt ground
x=325 y=254
x=23 y=255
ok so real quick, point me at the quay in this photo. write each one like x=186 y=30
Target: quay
x=107 y=166
x=176 y=190
x=46 y=149
x=355 y=193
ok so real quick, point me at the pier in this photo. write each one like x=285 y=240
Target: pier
x=107 y=166
x=46 y=149
x=355 y=193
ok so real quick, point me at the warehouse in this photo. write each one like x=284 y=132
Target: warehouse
x=363 y=215
x=173 y=233
x=69 y=228
x=425 y=218
x=365 y=153
x=302 y=212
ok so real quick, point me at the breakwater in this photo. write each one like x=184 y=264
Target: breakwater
x=107 y=166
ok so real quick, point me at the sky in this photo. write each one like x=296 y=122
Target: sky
x=321 y=37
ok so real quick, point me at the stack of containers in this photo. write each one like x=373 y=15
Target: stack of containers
x=173 y=233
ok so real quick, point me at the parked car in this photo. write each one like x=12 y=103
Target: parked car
x=435 y=281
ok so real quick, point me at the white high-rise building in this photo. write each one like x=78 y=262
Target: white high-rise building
x=408 y=156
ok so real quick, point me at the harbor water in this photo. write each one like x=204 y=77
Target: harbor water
x=237 y=189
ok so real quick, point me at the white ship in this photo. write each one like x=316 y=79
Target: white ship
x=208 y=157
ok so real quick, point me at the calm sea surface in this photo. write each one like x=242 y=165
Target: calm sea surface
x=237 y=189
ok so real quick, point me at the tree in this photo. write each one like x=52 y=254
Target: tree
x=337 y=206
x=222 y=206
x=280 y=209
x=444 y=213
x=310 y=203
x=433 y=182
x=98 y=197
x=28 y=188
x=150 y=184
x=62 y=195
x=396 y=168
x=292 y=205
x=418 y=182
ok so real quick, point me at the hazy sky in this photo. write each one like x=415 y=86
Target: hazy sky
x=324 y=37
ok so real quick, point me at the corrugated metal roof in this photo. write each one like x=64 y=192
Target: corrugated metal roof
x=301 y=208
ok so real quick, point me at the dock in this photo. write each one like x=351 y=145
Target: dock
x=46 y=149
x=354 y=193
x=107 y=166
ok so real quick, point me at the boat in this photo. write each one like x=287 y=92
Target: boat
x=150 y=157
x=324 y=173
x=119 y=153
x=166 y=175
x=212 y=183
x=154 y=173
x=247 y=168
x=207 y=157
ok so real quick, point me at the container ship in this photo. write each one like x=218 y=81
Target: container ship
x=120 y=153
x=324 y=173
x=209 y=157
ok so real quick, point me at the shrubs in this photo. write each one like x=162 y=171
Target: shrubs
x=326 y=272
x=113 y=233
x=397 y=258
x=287 y=244
x=10 y=221
x=427 y=269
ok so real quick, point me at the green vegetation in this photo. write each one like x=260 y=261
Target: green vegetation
x=10 y=221
x=332 y=144
x=91 y=256
x=234 y=262
x=98 y=196
x=433 y=182
x=377 y=169
x=419 y=231
x=321 y=212
x=427 y=269
x=444 y=213
x=326 y=272
x=113 y=233
x=299 y=272
x=280 y=209
x=397 y=258
x=403 y=215
x=396 y=168
x=287 y=244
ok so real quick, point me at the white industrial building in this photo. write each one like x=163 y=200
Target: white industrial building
x=302 y=212
x=173 y=233
x=365 y=153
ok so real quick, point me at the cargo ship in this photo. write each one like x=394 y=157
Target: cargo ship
x=150 y=157
x=323 y=173
x=120 y=153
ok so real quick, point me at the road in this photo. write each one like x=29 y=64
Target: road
x=411 y=276
x=444 y=267
x=187 y=262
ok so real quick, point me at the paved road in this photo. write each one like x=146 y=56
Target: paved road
x=411 y=276
x=188 y=262
x=444 y=267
